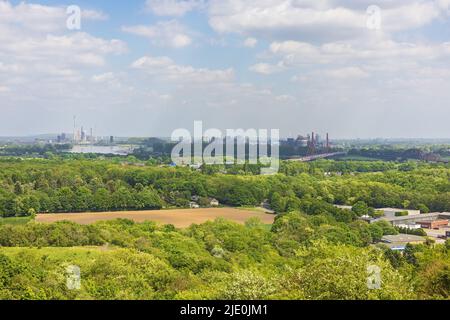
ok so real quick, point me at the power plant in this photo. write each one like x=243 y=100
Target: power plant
x=311 y=142
x=81 y=136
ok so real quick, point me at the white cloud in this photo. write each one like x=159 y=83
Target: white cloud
x=267 y=69
x=32 y=16
x=4 y=89
x=272 y=16
x=320 y=20
x=31 y=33
x=346 y=73
x=40 y=18
x=371 y=52
x=165 y=97
x=169 y=70
x=152 y=62
x=219 y=42
x=76 y=48
x=285 y=98
x=12 y=68
x=294 y=47
x=175 y=8
x=105 y=77
x=168 y=33
x=250 y=42
x=93 y=15
x=39 y=56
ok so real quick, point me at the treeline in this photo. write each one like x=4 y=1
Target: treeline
x=308 y=229
x=302 y=257
x=77 y=185
x=390 y=153
x=33 y=149
x=158 y=147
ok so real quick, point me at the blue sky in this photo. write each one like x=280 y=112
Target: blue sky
x=148 y=67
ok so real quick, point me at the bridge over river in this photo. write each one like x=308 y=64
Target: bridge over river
x=317 y=157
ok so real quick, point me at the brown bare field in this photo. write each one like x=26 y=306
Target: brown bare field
x=180 y=218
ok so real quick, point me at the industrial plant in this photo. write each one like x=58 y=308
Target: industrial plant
x=312 y=142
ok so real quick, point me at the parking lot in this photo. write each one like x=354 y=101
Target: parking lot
x=437 y=234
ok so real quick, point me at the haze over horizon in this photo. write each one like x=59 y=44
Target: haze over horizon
x=282 y=136
x=145 y=68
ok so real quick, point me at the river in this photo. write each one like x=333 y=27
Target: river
x=115 y=150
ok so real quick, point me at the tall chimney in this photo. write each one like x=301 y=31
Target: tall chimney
x=328 y=142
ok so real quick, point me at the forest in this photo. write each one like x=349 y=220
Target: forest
x=29 y=186
x=300 y=257
x=313 y=250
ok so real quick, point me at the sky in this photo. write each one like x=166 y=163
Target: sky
x=354 y=69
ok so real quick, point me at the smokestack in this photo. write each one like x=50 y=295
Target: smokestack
x=328 y=142
x=75 y=128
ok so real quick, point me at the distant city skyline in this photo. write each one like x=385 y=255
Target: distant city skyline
x=101 y=138
x=144 y=68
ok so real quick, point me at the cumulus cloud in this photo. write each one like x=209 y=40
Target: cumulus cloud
x=285 y=98
x=294 y=52
x=341 y=75
x=168 y=69
x=167 y=33
x=321 y=20
x=105 y=77
x=266 y=68
x=76 y=48
x=40 y=56
x=383 y=64
x=93 y=15
x=283 y=19
x=40 y=18
x=250 y=42
x=4 y=89
x=342 y=72
x=176 y=8
x=346 y=73
x=37 y=33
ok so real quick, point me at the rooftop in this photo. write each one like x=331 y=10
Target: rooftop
x=402 y=238
x=417 y=218
x=411 y=212
x=343 y=207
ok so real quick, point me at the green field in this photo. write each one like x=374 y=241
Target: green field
x=15 y=220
